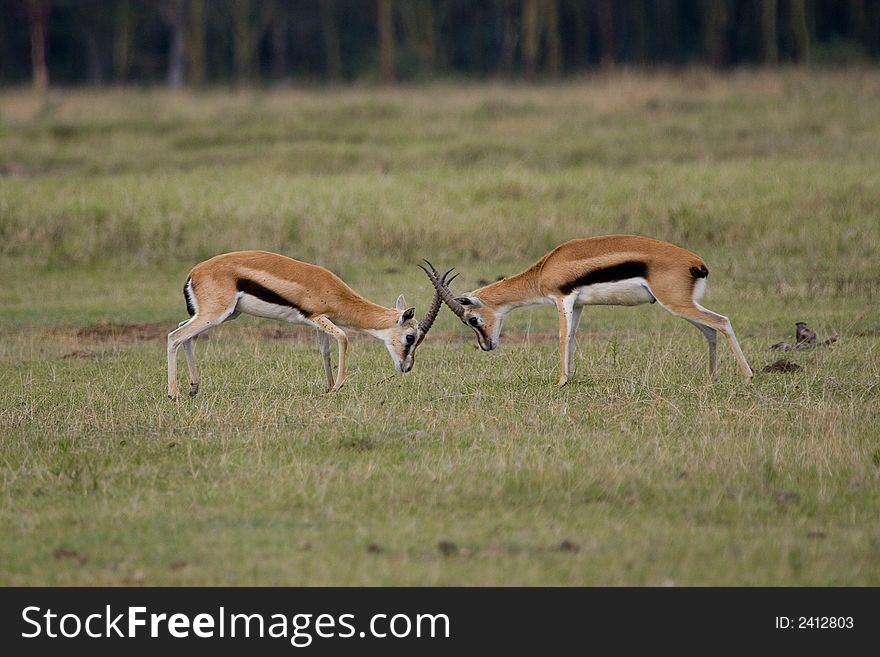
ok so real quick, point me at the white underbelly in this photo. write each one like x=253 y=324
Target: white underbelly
x=252 y=305
x=628 y=292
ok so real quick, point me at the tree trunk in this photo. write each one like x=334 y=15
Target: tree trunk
x=242 y=51
x=330 y=32
x=475 y=42
x=530 y=39
x=249 y=20
x=508 y=39
x=605 y=16
x=123 y=40
x=93 y=54
x=769 y=31
x=419 y=29
x=385 y=24
x=173 y=13
x=175 y=60
x=638 y=11
x=581 y=17
x=38 y=21
x=668 y=39
x=279 y=45
x=859 y=24
x=195 y=46
x=716 y=15
x=800 y=32
x=551 y=32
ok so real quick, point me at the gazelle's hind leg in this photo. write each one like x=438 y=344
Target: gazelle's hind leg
x=712 y=338
x=324 y=347
x=199 y=323
x=189 y=348
x=680 y=298
x=575 y=320
x=701 y=316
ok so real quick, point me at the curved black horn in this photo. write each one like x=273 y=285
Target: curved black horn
x=433 y=310
x=442 y=287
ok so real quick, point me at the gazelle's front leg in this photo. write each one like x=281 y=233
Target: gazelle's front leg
x=324 y=347
x=565 y=308
x=331 y=329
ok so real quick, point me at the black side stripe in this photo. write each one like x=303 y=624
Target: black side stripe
x=263 y=293
x=618 y=272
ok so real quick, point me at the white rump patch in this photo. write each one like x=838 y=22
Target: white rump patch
x=190 y=296
x=699 y=289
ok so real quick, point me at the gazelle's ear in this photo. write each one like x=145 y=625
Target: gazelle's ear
x=401 y=303
x=470 y=301
x=407 y=315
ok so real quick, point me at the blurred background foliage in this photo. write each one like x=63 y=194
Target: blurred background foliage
x=247 y=42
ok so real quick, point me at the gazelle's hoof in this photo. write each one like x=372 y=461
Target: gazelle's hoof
x=336 y=388
x=562 y=382
x=193 y=389
x=172 y=397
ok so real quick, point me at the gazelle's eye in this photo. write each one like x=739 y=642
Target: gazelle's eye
x=474 y=321
x=410 y=338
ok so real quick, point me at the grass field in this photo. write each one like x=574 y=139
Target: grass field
x=474 y=468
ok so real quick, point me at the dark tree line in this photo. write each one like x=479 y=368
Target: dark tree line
x=198 y=42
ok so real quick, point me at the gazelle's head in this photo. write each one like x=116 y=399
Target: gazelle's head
x=484 y=320
x=402 y=337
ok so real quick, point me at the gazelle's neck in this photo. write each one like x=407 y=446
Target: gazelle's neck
x=522 y=289
x=359 y=313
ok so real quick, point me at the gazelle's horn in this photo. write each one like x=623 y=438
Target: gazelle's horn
x=433 y=310
x=441 y=285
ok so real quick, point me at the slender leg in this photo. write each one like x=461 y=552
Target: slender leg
x=721 y=324
x=575 y=321
x=324 y=347
x=727 y=332
x=711 y=337
x=198 y=324
x=565 y=308
x=189 y=348
x=334 y=331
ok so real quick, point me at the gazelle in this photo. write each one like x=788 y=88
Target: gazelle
x=621 y=270
x=270 y=285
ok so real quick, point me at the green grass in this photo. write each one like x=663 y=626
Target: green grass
x=107 y=199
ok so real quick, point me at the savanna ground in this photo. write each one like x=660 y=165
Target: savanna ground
x=474 y=468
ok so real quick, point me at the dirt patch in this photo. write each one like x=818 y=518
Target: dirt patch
x=80 y=353
x=784 y=496
x=128 y=332
x=447 y=548
x=65 y=554
x=567 y=546
x=20 y=170
x=783 y=366
x=133 y=332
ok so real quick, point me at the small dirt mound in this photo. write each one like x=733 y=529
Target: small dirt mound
x=447 y=548
x=784 y=366
x=567 y=546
